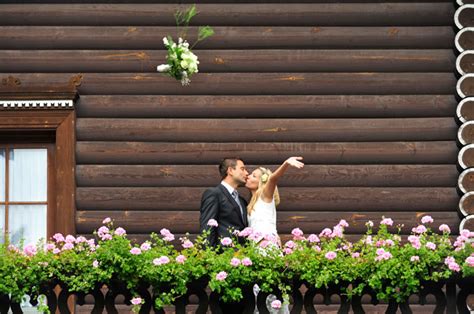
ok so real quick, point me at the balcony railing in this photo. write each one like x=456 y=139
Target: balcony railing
x=446 y=297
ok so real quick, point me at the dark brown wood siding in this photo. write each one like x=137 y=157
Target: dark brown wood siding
x=365 y=92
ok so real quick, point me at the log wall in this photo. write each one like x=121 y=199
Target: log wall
x=365 y=91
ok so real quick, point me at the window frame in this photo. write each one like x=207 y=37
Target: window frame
x=62 y=123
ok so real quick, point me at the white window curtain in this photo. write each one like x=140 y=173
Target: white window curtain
x=28 y=182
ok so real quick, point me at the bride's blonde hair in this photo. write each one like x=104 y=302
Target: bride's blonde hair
x=266 y=173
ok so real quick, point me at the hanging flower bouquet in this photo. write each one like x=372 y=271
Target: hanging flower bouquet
x=181 y=62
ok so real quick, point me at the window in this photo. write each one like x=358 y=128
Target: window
x=25 y=186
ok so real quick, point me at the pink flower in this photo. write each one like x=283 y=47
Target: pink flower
x=212 y=223
x=255 y=236
x=247 y=261
x=120 y=231
x=330 y=255
x=187 y=244
x=161 y=260
x=343 y=223
x=169 y=238
x=235 y=262
x=246 y=232
x=136 y=251
x=297 y=233
x=389 y=242
x=355 y=255
x=164 y=232
x=276 y=304
x=387 y=221
x=287 y=251
x=56 y=251
x=102 y=231
x=383 y=255
x=313 y=238
x=337 y=232
x=70 y=239
x=106 y=237
x=325 y=233
x=95 y=264
x=426 y=219
x=30 y=249
x=448 y=260
x=317 y=248
x=368 y=240
x=226 y=241
x=290 y=244
x=454 y=266
x=263 y=244
x=431 y=246
x=444 y=228
x=419 y=230
x=145 y=246
x=58 y=237
x=81 y=239
x=49 y=246
x=414 y=258
x=136 y=301
x=106 y=220
x=470 y=261
x=68 y=246
x=180 y=259
x=221 y=276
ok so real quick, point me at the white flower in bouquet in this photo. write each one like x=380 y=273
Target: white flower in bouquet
x=182 y=63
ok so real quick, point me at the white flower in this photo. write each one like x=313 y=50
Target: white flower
x=163 y=68
x=184 y=79
x=165 y=41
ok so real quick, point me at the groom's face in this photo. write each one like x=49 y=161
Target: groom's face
x=239 y=174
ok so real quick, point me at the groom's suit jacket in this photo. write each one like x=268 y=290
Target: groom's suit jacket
x=218 y=204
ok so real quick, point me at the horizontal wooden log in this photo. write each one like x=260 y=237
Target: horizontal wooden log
x=466 y=156
x=465 y=86
x=467 y=223
x=466 y=204
x=182 y=222
x=274 y=106
x=466 y=181
x=309 y=176
x=247 y=83
x=466 y=133
x=219 y=1
x=274 y=60
x=463 y=16
x=266 y=130
x=283 y=14
x=464 y=39
x=292 y=199
x=465 y=109
x=231 y=37
x=261 y=153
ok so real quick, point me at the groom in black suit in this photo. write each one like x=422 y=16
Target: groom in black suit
x=223 y=203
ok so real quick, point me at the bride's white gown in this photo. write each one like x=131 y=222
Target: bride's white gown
x=263 y=217
x=263 y=220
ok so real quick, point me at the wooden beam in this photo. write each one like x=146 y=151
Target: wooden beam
x=259 y=153
x=309 y=176
x=262 y=106
x=268 y=60
x=228 y=37
x=153 y=221
x=267 y=130
x=293 y=199
x=277 y=14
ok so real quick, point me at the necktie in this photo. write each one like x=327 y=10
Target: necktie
x=235 y=195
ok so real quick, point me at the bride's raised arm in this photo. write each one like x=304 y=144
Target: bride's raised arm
x=269 y=189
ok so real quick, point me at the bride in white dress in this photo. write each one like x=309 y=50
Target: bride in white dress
x=262 y=217
x=262 y=183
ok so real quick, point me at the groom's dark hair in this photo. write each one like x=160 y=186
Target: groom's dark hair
x=226 y=163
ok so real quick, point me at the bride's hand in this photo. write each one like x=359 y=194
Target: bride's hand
x=295 y=162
